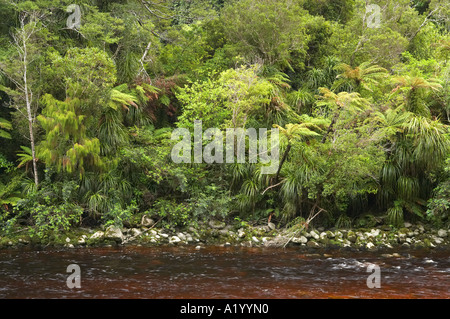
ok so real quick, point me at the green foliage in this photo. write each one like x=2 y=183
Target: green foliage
x=118 y=215
x=87 y=74
x=10 y=193
x=203 y=101
x=51 y=210
x=190 y=50
x=362 y=111
x=334 y=10
x=228 y=101
x=439 y=204
x=343 y=221
x=5 y=164
x=5 y=125
x=362 y=77
x=174 y=214
x=395 y=215
x=67 y=146
x=210 y=201
x=272 y=31
x=100 y=28
x=25 y=157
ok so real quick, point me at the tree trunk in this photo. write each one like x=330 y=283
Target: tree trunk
x=330 y=128
x=28 y=101
x=286 y=152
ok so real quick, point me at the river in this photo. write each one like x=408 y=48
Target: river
x=221 y=272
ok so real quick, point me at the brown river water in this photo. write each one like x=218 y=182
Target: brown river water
x=221 y=272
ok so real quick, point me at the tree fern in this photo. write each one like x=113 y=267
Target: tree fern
x=5 y=125
x=360 y=77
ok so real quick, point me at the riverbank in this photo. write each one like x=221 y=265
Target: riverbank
x=411 y=236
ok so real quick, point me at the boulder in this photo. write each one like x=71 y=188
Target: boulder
x=114 y=233
x=153 y=232
x=314 y=234
x=271 y=226
x=135 y=232
x=147 y=221
x=330 y=234
x=374 y=232
x=174 y=240
x=346 y=243
x=216 y=224
x=338 y=234
x=442 y=233
x=428 y=243
x=224 y=232
x=303 y=240
x=351 y=236
x=312 y=244
x=97 y=235
x=82 y=240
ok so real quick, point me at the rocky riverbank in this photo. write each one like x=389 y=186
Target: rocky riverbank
x=219 y=233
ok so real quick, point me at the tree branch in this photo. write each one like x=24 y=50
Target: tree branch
x=272 y=186
x=424 y=23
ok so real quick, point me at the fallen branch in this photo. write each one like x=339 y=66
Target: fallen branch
x=306 y=223
x=136 y=236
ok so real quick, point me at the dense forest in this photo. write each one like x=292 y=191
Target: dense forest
x=91 y=91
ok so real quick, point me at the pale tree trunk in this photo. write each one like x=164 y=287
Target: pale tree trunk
x=28 y=100
x=22 y=40
x=18 y=72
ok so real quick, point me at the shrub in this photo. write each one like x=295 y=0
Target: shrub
x=118 y=215
x=50 y=210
